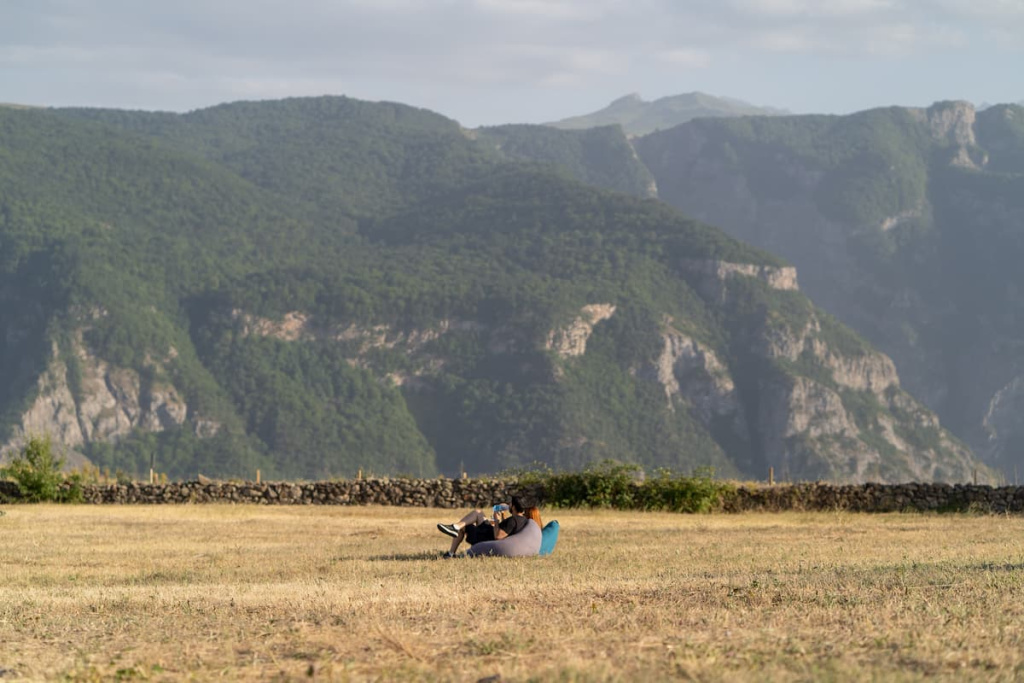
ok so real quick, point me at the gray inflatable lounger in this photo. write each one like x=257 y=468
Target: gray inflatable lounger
x=524 y=544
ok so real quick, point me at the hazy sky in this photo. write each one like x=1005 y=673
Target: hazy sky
x=496 y=61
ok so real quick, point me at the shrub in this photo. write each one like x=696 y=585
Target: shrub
x=623 y=486
x=675 y=493
x=605 y=485
x=38 y=474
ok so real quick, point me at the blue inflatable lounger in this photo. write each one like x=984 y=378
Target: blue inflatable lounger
x=549 y=537
x=524 y=544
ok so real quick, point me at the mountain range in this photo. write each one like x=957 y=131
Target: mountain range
x=904 y=223
x=317 y=286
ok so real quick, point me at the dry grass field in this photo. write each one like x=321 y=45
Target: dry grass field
x=246 y=592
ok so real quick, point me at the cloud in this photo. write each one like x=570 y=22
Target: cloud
x=195 y=52
x=981 y=9
x=908 y=38
x=787 y=41
x=789 y=9
x=563 y=10
x=687 y=58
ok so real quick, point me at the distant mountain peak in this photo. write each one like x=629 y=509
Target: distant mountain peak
x=632 y=98
x=637 y=116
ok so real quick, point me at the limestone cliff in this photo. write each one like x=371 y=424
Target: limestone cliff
x=54 y=412
x=949 y=122
x=571 y=339
x=953 y=124
x=844 y=417
x=101 y=403
x=823 y=405
x=712 y=276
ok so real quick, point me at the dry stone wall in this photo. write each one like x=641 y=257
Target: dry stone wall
x=469 y=493
x=441 y=493
x=878 y=498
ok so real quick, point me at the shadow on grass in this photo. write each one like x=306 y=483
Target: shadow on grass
x=944 y=568
x=408 y=557
x=996 y=567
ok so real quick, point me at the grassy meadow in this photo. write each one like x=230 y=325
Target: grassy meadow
x=333 y=593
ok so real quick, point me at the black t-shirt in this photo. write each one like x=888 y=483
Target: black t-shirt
x=514 y=524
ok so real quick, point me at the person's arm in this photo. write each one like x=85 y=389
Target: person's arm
x=510 y=524
x=499 y=532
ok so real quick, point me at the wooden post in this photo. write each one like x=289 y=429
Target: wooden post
x=359 y=474
x=975 y=474
x=771 y=476
x=465 y=476
x=257 y=476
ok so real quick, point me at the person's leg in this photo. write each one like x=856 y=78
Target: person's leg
x=474 y=517
x=457 y=541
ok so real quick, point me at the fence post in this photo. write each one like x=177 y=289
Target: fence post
x=771 y=476
x=257 y=476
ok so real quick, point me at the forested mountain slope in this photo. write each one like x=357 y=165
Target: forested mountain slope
x=602 y=157
x=344 y=156
x=905 y=223
x=184 y=288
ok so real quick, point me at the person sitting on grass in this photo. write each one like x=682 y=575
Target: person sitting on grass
x=476 y=527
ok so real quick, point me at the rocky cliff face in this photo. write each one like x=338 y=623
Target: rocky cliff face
x=821 y=406
x=712 y=276
x=952 y=124
x=89 y=400
x=54 y=412
x=949 y=122
x=839 y=416
x=571 y=340
x=694 y=378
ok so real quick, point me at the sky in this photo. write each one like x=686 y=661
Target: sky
x=486 y=62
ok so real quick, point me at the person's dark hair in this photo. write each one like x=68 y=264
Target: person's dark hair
x=517 y=505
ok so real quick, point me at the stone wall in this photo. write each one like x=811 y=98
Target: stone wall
x=878 y=498
x=441 y=493
x=469 y=493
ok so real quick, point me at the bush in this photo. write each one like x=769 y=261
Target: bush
x=38 y=474
x=605 y=485
x=623 y=486
x=675 y=493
